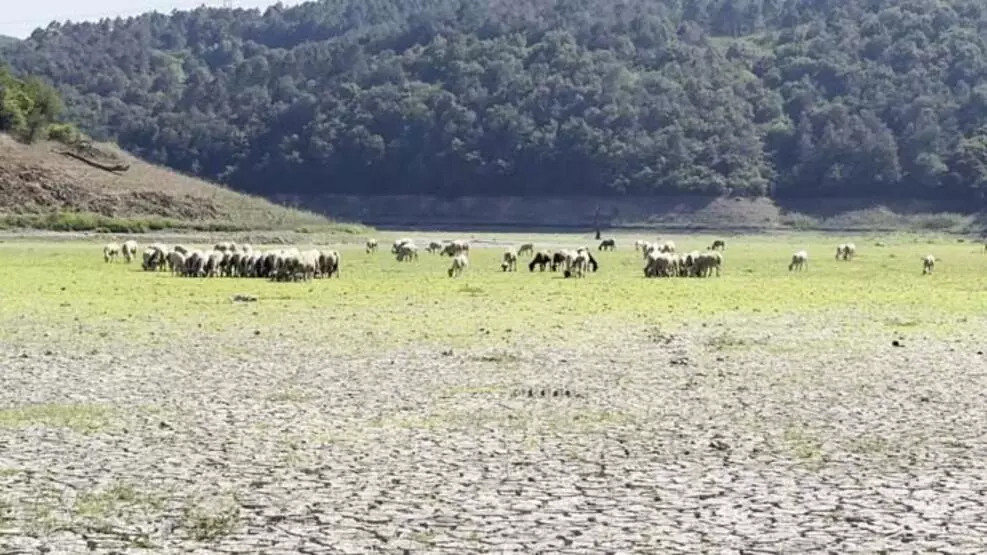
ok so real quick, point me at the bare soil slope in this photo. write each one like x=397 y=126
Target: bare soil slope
x=38 y=178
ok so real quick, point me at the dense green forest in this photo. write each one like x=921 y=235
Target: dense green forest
x=745 y=97
x=29 y=108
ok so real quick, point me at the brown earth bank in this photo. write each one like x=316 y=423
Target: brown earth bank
x=41 y=179
x=673 y=212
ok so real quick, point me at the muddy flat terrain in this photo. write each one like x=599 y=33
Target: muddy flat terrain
x=158 y=416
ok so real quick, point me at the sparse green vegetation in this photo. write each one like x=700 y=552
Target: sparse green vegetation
x=206 y=524
x=118 y=498
x=80 y=418
x=803 y=444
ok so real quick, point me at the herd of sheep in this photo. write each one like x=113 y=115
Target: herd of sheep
x=232 y=260
x=572 y=263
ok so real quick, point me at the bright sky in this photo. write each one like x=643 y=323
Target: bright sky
x=18 y=18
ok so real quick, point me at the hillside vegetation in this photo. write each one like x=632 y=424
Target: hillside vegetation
x=748 y=97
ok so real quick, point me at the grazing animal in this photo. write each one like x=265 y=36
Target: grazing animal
x=433 y=247
x=800 y=261
x=845 y=251
x=708 y=263
x=577 y=264
x=928 y=264
x=181 y=249
x=328 y=263
x=155 y=258
x=667 y=247
x=542 y=259
x=591 y=263
x=607 y=245
x=718 y=244
x=110 y=251
x=459 y=264
x=526 y=248
x=639 y=244
x=456 y=247
x=407 y=252
x=176 y=262
x=398 y=243
x=558 y=259
x=194 y=264
x=371 y=245
x=510 y=261
x=659 y=264
x=129 y=251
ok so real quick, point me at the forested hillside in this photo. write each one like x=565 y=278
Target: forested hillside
x=747 y=97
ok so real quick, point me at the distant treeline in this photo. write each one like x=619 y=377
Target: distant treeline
x=791 y=98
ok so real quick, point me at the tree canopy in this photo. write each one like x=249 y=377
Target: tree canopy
x=29 y=107
x=454 y=97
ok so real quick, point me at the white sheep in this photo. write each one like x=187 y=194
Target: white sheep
x=155 y=258
x=407 y=252
x=398 y=242
x=176 y=261
x=110 y=251
x=576 y=265
x=371 y=245
x=459 y=264
x=928 y=264
x=659 y=264
x=129 y=250
x=800 y=261
x=707 y=263
x=845 y=251
x=456 y=247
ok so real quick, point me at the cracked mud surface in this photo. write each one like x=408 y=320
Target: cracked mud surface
x=645 y=442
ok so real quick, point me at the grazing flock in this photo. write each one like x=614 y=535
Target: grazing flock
x=231 y=260
x=228 y=259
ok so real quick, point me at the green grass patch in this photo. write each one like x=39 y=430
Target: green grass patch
x=291 y=397
x=803 y=445
x=210 y=525
x=80 y=418
x=67 y=291
x=118 y=499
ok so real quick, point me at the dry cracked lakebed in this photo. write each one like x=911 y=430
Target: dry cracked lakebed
x=647 y=443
